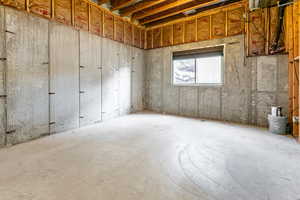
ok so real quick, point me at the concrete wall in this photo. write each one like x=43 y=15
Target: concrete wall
x=26 y=76
x=269 y=85
x=64 y=78
x=2 y=78
x=90 y=78
x=55 y=78
x=251 y=85
x=138 y=72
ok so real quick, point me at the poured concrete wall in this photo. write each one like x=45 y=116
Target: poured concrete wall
x=64 y=78
x=137 y=77
x=55 y=78
x=110 y=79
x=2 y=78
x=90 y=78
x=125 y=66
x=26 y=76
x=269 y=86
x=251 y=85
x=154 y=80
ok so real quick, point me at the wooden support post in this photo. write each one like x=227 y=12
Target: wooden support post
x=289 y=17
x=102 y=23
x=152 y=38
x=183 y=33
x=297 y=35
x=298 y=66
x=295 y=68
x=52 y=9
x=73 y=12
x=210 y=27
x=247 y=31
x=161 y=36
x=89 y=17
x=226 y=23
x=27 y=6
x=267 y=30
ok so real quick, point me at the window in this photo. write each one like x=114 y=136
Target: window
x=197 y=67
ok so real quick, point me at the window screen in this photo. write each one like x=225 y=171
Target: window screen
x=203 y=66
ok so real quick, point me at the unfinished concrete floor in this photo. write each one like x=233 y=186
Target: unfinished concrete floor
x=150 y=156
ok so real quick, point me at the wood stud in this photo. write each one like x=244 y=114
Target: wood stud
x=213 y=24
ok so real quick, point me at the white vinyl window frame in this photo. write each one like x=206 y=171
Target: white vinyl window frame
x=200 y=84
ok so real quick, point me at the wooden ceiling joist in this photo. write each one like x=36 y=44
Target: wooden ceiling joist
x=121 y=4
x=165 y=20
x=172 y=13
x=141 y=14
x=205 y=12
x=139 y=6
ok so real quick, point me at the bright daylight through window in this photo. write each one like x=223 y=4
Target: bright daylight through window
x=196 y=67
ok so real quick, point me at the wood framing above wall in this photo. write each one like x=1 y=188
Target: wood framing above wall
x=259 y=26
x=84 y=15
x=216 y=23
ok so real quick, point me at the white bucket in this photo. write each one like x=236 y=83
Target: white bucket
x=277 y=124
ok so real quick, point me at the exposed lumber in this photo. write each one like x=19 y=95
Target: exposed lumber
x=84 y=15
x=102 y=1
x=190 y=30
x=202 y=26
x=119 y=30
x=81 y=15
x=96 y=20
x=149 y=39
x=179 y=11
x=141 y=15
x=204 y=12
x=295 y=67
x=257 y=27
x=128 y=36
x=298 y=53
x=157 y=38
x=139 y=6
x=167 y=35
x=108 y=25
x=178 y=33
x=166 y=20
x=18 y=4
x=121 y=4
x=218 y=25
x=63 y=11
x=40 y=7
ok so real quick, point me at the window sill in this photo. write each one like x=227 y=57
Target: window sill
x=198 y=85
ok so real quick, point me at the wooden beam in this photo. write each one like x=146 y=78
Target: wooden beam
x=139 y=6
x=52 y=9
x=179 y=11
x=73 y=12
x=201 y=14
x=290 y=37
x=165 y=20
x=141 y=15
x=121 y=4
x=102 y=1
x=296 y=67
